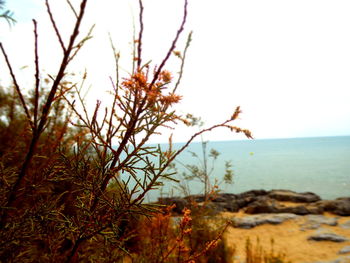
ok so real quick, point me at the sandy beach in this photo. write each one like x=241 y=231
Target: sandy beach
x=291 y=238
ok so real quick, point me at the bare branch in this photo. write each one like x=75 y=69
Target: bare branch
x=53 y=22
x=37 y=78
x=72 y=8
x=81 y=43
x=183 y=59
x=173 y=45
x=63 y=67
x=139 y=46
x=18 y=90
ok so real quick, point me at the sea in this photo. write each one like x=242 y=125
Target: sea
x=320 y=165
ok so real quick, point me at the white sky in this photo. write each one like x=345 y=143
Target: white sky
x=286 y=63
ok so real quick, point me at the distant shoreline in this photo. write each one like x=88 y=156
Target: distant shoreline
x=262 y=201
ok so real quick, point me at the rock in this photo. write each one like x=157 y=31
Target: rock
x=346 y=225
x=267 y=205
x=262 y=205
x=252 y=193
x=225 y=197
x=315 y=221
x=338 y=260
x=255 y=220
x=340 y=206
x=262 y=201
x=290 y=196
x=328 y=237
x=344 y=250
x=231 y=206
x=298 y=210
x=195 y=198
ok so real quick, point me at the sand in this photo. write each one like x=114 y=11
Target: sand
x=290 y=239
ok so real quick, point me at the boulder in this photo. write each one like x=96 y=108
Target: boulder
x=344 y=250
x=345 y=225
x=262 y=205
x=267 y=205
x=262 y=201
x=340 y=206
x=256 y=220
x=315 y=221
x=290 y=196
x=298 y=210
x=225 y=197
x=337 y=260
x=252 y=193
x=328 y=237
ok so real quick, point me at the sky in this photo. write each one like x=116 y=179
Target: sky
x=285 y=63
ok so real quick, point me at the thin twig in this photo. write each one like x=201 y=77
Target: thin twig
x=183 y=59
x=44 y=115
x=37 y=79
x=18 y=90
x=139 y=46
x=72 y=8
x=62 y=69
x=172 y=47
x=53 y=22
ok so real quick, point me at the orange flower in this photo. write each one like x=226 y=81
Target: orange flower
x=177 y=53
x=170 y=99
x=165 y=76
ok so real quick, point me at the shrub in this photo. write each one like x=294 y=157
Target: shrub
x=256 y=253
x=72 y=184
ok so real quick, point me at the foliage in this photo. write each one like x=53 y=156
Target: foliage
x=73 y=184
x=7 y=14
x=191 y=238
x=256 y=253
x=203 y=170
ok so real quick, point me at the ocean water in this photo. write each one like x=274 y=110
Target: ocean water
x=320 y=165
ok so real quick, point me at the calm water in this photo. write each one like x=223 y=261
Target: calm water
x=320 y=165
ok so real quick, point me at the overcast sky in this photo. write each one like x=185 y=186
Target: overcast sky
x=286 y=63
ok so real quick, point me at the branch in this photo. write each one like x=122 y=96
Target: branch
x=72 y=8
x=139 y=46
x=173 y=45
x=62 y=69
x=18 y=90
x=55 y=26
x=37 y=79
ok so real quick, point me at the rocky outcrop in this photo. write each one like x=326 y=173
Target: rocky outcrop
x=262 y=201
x=290 y=196
x=315 y=222
x=344 y=250
x=328 y=237
x=339 y=206
x=255 y=220
x=345 y=225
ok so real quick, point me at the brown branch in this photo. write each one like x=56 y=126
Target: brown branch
x=62 y=69
x=170 y=160
x=72 y=8
x=173 y=45
x=139 y=46
x=18 y=90
x=135 y=114
x=55 y=26
x=183 y=59
x=37 y=78
x=44 y=115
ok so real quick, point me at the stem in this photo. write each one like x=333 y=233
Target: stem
x=44 y=116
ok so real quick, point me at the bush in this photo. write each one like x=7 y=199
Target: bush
x=72 y=184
